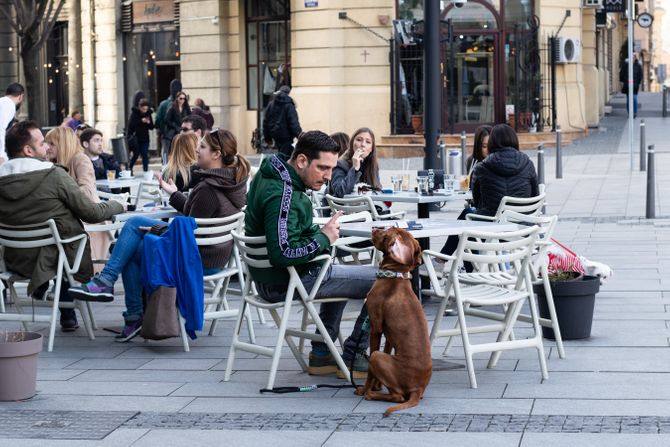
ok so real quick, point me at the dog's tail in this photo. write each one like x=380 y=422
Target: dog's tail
x=413 y=401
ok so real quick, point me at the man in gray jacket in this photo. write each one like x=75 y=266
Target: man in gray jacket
x=32 y=191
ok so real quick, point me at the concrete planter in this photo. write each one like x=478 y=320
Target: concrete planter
x=574 y=301
x=18 y=364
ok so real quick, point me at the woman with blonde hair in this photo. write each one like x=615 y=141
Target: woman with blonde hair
x=65 y=150
x=181 y=162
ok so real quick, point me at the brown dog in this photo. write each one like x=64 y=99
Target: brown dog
x=396 y=312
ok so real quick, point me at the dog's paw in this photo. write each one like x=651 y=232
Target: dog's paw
x=359 y=391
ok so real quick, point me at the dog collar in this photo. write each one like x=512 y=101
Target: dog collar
x=391 y=274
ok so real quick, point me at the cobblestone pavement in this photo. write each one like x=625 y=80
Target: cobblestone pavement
x=61 y=424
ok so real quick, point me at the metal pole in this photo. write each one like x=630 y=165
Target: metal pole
x=540 y=164
x=559 y=154
x=431 y=82
x=464 y=150
x=651 y=184
x=643 y=155
x=631 y=113
x=665 y=101
x=552 y=53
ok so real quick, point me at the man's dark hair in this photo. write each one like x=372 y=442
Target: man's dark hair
x=197 y=122
x=74 y=112
x=312 y=143
x=18 y=136
x=86 y=135
x=502 y=135
x=14 y=89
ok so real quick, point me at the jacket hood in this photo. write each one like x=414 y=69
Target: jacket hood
x=283 y=98
x=19 y=177
x=137 y=97
x=175 y=87
x=223 y=181
x=507 y=162
x=274 y=166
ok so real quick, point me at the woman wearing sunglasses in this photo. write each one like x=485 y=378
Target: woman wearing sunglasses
x=221 y=192
x=175 y=114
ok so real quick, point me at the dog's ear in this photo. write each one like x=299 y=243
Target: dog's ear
x=417 y=252
x=400 y=252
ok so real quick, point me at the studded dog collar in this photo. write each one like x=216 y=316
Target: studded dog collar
x=391 y=274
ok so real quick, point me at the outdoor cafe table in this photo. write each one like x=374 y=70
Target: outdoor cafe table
x=431 y=228
x=423 y=201
x=118 y=183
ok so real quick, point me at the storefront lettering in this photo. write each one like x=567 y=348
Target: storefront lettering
x=153 y=11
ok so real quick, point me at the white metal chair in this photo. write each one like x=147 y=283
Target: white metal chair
x=213 y=232
x=489 y=251
x=254 y=254
x=148 y=190
x=37 y=236
x=531 y=206
x=345 y=243
x=351 y=205
x=538 y=272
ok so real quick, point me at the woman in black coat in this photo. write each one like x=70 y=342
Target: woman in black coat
x=505 y=172
x=175 y=114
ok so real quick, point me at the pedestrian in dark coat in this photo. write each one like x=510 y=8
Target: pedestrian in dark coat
x=137 y=132
x=637 y=80
x=281 y=121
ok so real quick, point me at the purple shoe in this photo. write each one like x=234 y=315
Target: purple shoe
x=94 y=290
x=130 y=330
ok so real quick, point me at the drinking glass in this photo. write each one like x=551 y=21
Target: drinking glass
x=111 y=175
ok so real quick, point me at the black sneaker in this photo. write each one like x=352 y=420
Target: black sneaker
x=130 y=330
x=68 y=320
x=360 y=367
x=321 y=363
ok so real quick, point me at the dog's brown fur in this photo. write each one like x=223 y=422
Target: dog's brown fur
x=396 y=312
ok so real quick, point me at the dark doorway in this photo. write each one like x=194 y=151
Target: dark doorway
x=165 y=73
x=56 y=75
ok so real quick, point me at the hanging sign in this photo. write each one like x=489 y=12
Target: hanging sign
x=153 y=11
x=311 y=3
x=614 y=5
x=645 y=20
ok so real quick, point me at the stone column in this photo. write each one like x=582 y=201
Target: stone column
x=75 y=81
x=590 y=72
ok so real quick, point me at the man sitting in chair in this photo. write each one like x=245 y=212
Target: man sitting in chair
x=32 y=191
x=278 y=207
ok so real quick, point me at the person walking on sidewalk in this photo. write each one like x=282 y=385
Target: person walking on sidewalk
x=139 y=125
x=637 y=80
x=279 y=208
x=14 y=96
x=281 y=121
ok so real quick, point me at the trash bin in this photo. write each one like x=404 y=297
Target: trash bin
x=119 y=149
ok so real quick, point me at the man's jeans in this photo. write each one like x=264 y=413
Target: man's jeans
x=342 y=281
x=126 y=259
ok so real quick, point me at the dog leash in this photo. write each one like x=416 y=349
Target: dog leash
x=365 y=327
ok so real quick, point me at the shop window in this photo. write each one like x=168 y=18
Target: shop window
x=268 y=50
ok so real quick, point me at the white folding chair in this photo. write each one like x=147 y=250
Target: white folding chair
x=254 y=254
x=531 y=206
x=210 y=232
x=148 y=190
x=489 y=251
x=351 y=205
x=37 y=236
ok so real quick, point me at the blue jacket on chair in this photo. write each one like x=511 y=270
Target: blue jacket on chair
x=173 y=260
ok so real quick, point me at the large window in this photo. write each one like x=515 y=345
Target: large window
x=268 y=50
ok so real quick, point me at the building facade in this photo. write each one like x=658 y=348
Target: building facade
x=350 y=63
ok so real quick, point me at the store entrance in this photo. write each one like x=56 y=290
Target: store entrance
x=165 y=73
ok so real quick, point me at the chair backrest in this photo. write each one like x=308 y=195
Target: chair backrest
x=546 y=226
x=531 y=205
x=488 y=250
x=38 y=235
x=352 y=205
x=253 y=250
x=217 y=230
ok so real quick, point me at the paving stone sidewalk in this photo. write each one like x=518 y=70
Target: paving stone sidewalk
x=613 y=389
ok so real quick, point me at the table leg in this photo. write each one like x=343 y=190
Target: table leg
x=423 y=212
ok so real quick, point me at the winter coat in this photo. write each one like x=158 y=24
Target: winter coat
x=33 y=191
x=281 y=120
x=345 y=177
x=173 y=121
x=138 y=127
x=637 y=77
x=104 y=163
x=217 y=194
x=204 y=114
x=279 y=209
x=175 y=87
x=506 y=172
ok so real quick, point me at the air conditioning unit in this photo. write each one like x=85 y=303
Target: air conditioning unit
x=567 y=50
x=592 y=3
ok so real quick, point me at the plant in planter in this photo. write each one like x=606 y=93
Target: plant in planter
x=18 y=364
x=574 y=294
x=417 y=120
